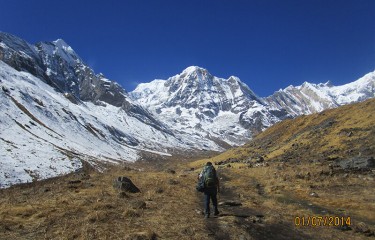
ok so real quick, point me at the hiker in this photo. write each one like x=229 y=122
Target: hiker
x=211 y=188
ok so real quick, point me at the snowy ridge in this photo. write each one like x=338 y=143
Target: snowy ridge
x=44 y=134
x=356 y=91
x=197 y=103
x=56 y=112
x=310 y=98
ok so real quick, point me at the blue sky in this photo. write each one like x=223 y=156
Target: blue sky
x=268 y=44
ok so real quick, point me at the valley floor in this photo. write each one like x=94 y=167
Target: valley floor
x=269 y=199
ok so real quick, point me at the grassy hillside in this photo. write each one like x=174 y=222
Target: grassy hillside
x=288 y=171
x=337 y=133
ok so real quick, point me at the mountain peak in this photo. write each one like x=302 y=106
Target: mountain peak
x=60 y=43
x=234 y=79
x=195 y=74
x=194 y=69
x=60 y=48
x=327 y=84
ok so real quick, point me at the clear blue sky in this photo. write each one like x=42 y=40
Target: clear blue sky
x=269 y=44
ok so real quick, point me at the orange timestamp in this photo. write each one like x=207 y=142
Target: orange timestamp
x=322 y=221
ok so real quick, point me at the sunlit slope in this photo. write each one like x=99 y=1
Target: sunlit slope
x=339 y=133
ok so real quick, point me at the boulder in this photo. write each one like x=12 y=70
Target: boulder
x=361 y=227
x=125 y=184
x=357 y=163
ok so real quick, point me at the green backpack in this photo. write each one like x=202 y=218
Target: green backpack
x=209 y=174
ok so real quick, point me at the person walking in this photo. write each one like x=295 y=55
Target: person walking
x=211 y=187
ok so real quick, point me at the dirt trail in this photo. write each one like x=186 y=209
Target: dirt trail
x=237 y=221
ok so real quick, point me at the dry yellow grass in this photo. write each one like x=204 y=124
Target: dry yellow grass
x=93 y=209
x=297 y=153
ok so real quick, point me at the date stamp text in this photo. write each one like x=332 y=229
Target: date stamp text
x=322 y=221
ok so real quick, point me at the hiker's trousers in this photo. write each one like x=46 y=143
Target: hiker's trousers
x=210 y=193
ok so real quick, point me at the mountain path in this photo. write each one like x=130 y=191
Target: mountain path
x=236 y=221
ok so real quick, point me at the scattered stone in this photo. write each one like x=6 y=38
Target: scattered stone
x=125 y=184
x=314 y=194
x=257 y=218
x=159 y=190
x=263 y=164
x=230 y=203
x=299 y=176
x=364 y=229
x=45 y=189
x=88 y=185
x=357 y=163
x=259 y=159
x=199 y=212
x=74 y=181
x=171 y=171
x=82 y=176
x=173 y=182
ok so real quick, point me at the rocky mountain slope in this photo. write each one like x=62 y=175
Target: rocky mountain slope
x=197 y=102
x=44 y=134
x=57 y=112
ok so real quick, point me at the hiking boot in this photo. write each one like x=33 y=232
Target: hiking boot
x=216 y=213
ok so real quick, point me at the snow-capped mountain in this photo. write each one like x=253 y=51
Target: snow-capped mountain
x=56 y=112
x=196 y=102
x=310 y=98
